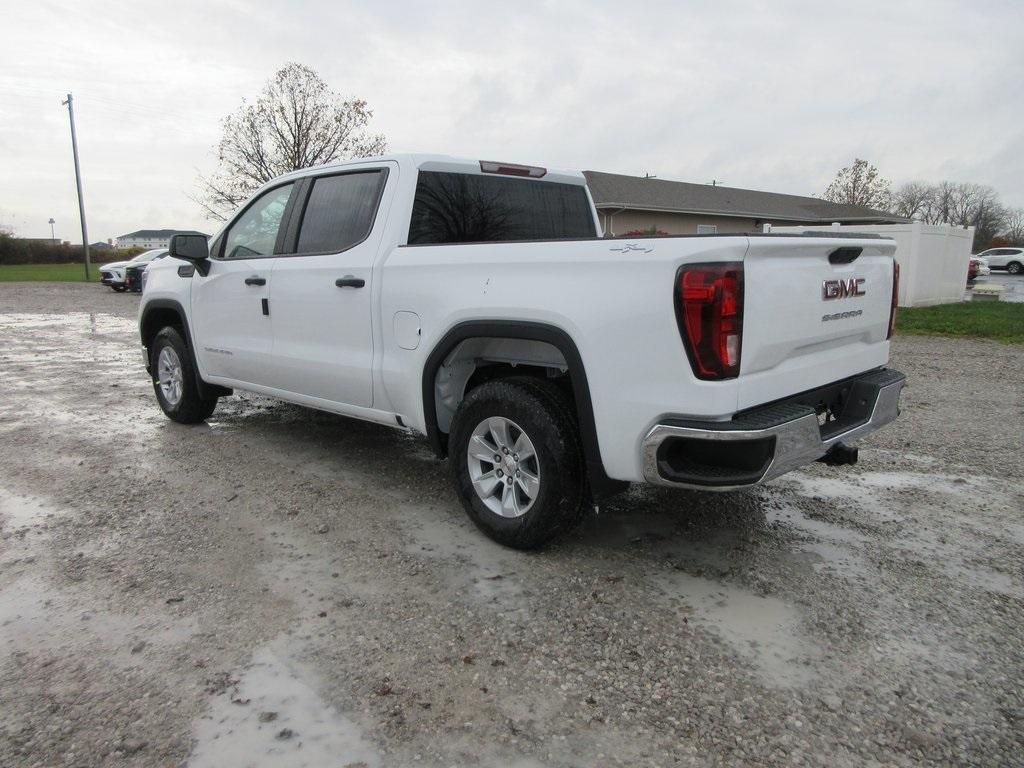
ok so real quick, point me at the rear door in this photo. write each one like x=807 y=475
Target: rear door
x=322 y=298
x=816 y=310
x=232 y=329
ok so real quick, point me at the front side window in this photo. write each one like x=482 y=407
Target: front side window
x=470 y=208
x=340 y=211
x=254 y=233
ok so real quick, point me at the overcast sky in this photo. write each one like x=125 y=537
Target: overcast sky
x=767 y=95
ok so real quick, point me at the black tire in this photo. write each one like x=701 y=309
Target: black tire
x=117 y=288
x=192 y=407
x=1015 y=267
x=548 y=418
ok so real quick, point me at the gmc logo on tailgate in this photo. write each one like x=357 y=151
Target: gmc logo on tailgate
x=842 y=289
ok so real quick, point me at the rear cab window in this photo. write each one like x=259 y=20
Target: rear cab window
x=340 y=211
x=468 y=208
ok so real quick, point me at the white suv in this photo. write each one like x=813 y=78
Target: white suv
x=1010 y=259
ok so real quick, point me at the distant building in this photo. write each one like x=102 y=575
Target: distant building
x=151 y=238
x=99 y=246
x=631 y=203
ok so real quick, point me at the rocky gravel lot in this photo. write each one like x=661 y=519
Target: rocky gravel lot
x=282 y=587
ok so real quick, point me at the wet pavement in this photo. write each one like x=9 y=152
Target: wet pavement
x=281 y=587
x=1013 y=286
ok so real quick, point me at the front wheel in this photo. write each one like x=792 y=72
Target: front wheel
x=1015 y=268
x=175 y=381
x=517 y=462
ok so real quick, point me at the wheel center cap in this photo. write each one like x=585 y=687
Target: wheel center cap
x=509 y=465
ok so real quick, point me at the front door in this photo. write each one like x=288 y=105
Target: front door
x=322 y=295
x=230 y=304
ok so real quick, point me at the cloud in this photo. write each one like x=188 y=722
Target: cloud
x=772 y=96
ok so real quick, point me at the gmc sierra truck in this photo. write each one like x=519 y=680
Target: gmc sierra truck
x=477 y=303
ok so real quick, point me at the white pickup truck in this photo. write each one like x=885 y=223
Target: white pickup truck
x=476 y=303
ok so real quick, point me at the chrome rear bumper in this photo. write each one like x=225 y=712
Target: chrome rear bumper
x=766 y=442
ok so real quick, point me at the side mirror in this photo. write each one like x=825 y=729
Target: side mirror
x=194 y=248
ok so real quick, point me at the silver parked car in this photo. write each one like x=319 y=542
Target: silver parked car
x=1010 y=259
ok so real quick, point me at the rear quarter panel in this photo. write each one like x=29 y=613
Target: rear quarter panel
x=617 y=305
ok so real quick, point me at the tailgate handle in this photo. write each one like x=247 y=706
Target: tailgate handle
x=844 y=255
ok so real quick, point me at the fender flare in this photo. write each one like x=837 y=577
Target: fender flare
x=174 y=306
x=600 y=484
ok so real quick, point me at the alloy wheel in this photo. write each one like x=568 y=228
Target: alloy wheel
x=503 y=467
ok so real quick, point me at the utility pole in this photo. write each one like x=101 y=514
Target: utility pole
x=53 y=237
x=78 y=181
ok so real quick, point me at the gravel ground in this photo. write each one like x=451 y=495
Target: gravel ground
x=283 y=587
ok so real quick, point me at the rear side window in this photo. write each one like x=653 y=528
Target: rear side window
x=340 y=211
x=466 y=208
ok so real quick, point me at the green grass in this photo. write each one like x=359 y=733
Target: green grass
x=60 y=273
x=997 y=320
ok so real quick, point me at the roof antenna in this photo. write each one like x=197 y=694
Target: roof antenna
x=649 y=175
x=716 y=182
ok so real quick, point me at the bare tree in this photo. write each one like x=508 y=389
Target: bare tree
x=957 y=203
x=912 y=199
x=1013 y=229
x=296 y=122
x=971 y=205
x=859 y=184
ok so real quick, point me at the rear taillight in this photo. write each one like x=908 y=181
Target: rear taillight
x=709 y=307
x=895 y=297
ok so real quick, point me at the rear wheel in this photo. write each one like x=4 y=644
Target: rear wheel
x=175 y=381
x=1015 y=267
x=517 y=462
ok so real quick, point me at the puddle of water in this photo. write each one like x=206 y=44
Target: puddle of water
x=947 y=551
x=274 y=716
x=20 y=512
x=827 y=544
x=788 y=515
x=764 y=630
x=486 y=566
x=38 y=616
x=94 y=323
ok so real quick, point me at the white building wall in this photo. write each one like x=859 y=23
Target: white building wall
x=143 y=242
x=933 y=258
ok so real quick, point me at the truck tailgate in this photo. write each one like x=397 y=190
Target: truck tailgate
x=809 y=321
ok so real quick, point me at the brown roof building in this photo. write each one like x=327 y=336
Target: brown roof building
x=629 y=203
